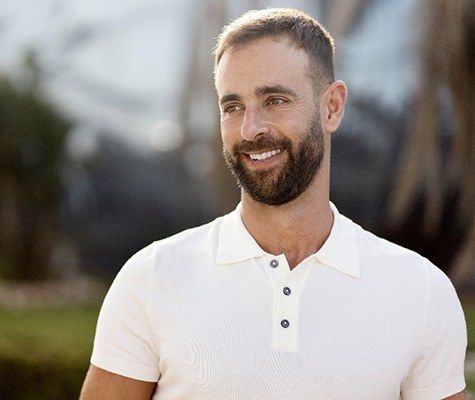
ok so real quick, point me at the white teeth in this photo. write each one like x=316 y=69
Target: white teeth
x=264 y=156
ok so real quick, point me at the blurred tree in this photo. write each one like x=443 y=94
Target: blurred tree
x=343 y=15
x=32 y=138
x=198 y=89
x=439 y=162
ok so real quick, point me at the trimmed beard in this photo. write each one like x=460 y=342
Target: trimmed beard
x=276 y=186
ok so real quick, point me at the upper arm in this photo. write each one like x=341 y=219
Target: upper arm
x=126 y=336
x=438 y=370
x=103 y=385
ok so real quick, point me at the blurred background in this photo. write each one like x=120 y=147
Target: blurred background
x=109 y=140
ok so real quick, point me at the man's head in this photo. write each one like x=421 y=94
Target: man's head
x=303 y=32
x=278 y=103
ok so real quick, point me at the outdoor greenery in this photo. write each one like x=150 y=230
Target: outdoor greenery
x=32 y=141
x=44 y=352
x=438 y=162
x=469 y=308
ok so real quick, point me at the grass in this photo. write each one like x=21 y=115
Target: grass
x=469 y=310
x=44 y=352
x=62 y=331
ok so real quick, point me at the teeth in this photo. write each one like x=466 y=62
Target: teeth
x=264 y=156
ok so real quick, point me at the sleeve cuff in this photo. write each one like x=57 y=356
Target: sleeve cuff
x=442 y=391
x=127 y=369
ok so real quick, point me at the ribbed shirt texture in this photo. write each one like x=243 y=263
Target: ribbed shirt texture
x=211 y=316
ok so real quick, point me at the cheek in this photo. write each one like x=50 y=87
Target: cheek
x=229 y=134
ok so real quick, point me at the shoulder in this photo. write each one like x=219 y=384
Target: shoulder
x=411 y=279
x=162 y=262
x=385 y=259
x=173 y=250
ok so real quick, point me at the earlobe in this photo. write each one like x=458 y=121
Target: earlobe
x=335 y=100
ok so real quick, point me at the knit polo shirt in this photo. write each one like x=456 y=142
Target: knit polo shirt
x=211 y=316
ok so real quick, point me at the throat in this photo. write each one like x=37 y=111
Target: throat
x=286 y=230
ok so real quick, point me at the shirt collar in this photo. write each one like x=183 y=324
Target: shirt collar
x=235 y=243
x=340 y=251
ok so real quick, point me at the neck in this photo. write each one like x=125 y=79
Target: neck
x=297 y=229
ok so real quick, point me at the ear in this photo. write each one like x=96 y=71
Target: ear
x=333 y=105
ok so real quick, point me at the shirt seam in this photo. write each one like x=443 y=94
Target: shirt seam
x=148 y=308
x=426 y=308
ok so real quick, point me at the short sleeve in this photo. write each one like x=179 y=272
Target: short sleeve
x=124 y=343
x=438 y=371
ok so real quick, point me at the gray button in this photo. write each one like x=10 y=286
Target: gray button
x=285 y=323
x=287 y=291
x=274 y=263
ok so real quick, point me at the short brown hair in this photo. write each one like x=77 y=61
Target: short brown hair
x=302 y=30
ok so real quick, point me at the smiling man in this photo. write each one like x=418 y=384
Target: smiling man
x=284 y=298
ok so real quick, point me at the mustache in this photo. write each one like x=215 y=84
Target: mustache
x=260 y=144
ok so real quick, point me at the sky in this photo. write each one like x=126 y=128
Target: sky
x=119 y=65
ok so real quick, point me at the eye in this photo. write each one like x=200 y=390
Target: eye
x=230 y=108
x=276 y=101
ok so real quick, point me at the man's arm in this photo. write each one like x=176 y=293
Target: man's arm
x=103 y=385
x=458 y=396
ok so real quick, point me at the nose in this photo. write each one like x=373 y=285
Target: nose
x=253 y=124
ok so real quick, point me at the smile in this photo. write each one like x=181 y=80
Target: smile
x=265 y=155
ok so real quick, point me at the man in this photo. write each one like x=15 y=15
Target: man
x=284 y=298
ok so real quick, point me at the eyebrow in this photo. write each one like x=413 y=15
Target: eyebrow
x=261 y=91
x=229 y=97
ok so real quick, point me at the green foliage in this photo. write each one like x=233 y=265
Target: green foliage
x=44 y=352
x=469 y=310
x=39 y=379
x=32 y=143
x=470 y=381
x=32 y=135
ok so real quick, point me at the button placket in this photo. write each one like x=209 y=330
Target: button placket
x=287 y=294
x=285 y=331
x=285 y=323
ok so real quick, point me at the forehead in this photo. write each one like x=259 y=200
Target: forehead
x=262 y=62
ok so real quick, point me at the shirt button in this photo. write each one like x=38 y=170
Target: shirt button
x=274 y=263
x=287 y=291
x=285 y=323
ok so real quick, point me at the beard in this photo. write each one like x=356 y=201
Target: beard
x=276 y=186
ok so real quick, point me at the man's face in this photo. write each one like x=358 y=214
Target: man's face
x=270 y=121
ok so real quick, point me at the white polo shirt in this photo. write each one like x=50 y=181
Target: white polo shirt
x=211 y=316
